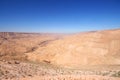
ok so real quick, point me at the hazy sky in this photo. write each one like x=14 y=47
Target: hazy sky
x=59 y=15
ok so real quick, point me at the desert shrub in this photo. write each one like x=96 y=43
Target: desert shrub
x=117 y=74
x=105 y=74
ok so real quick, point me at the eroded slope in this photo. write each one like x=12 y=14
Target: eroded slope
x=89 y=48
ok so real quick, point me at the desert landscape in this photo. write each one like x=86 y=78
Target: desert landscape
x=92 y=55
x=59 y=39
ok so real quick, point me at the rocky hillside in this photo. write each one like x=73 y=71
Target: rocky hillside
x=14 y=45
x=88 y=48
x=73 y=50
x=91 y=55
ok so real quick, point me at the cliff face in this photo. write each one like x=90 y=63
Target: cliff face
x=89 y=48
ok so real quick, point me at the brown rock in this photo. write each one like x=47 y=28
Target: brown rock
x=17 y=62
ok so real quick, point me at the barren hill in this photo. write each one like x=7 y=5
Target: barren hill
x=14 y=45
x=88 y=48
x=71 y=50
x=46 y=56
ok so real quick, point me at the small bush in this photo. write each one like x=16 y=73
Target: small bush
x=117 y=74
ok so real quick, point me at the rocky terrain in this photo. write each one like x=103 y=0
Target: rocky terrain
x=93 y=55
x=89 y=48
x=15 y=70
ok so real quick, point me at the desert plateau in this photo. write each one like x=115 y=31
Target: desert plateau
x=92 y=55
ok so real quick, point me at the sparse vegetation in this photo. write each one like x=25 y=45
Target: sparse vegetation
x=59 y=57
x=116 y=74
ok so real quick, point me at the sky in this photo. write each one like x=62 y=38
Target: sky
x=59 y=16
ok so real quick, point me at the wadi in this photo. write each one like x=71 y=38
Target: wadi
x=91 y=55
